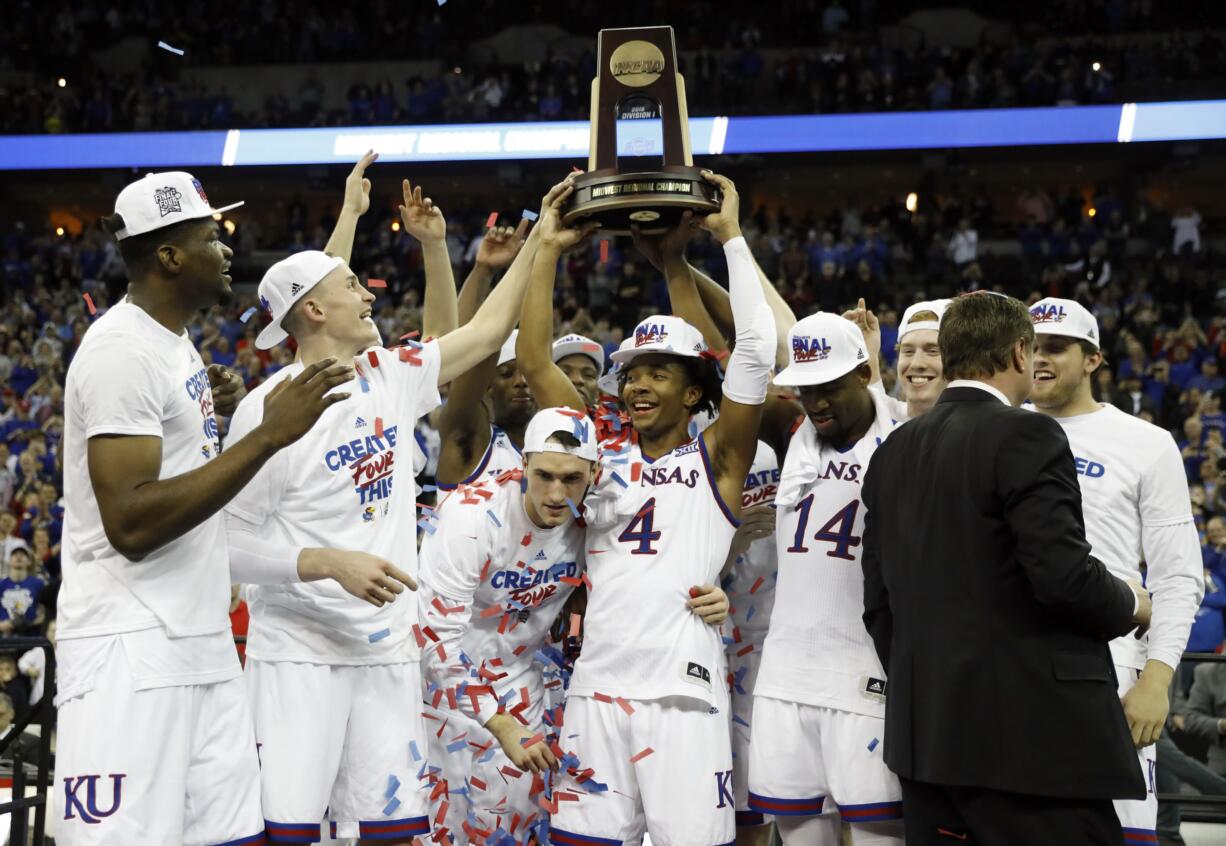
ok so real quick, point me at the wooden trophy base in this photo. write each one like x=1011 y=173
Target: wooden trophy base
x=653 y=200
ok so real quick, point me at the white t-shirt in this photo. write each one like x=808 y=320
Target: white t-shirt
x=346 y=484
x=1132 y=483
x=817 y=651
x=134 y=377
x=500 y=456
x=649 y=543
x=505 y=575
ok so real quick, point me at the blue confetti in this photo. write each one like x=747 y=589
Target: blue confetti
x=489 y=753
x=393 y=784
x=413 y=751
x=693 y=429
x=375 y=637
x=457 y=746
x=247 y=315
x=737 y=719
x=573 y=510
x=429 y=488
x=749 y=614
x=365 y=385
x=619 y=479
x=390 y=807
x=493 y=517
x=163 y=45
x=426 y=526
x=529 y=214
x=872 y=744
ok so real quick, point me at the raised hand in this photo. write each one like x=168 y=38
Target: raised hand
x=357 y=186
x=501 y=245
x=554 y=234
x=228 y=389
x=293 y=406
x=555 y=191
x=421 y=218
x=660 y=249
x=724 y=224
x=870 y=327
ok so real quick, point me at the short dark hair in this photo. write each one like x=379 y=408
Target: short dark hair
x=978 y=332
x=566 y=439
x=139 y=251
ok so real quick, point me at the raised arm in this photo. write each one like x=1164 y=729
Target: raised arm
x=533 y=348
x=425 y=222
x=667 y=252
x=355 y=204
x=735 y=433
x=499 y=247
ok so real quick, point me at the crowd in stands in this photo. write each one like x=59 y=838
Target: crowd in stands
x=1150 y=275
x=805 y=57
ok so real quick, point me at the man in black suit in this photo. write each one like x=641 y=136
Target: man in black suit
x=988 y=613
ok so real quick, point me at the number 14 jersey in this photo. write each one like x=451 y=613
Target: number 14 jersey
x=817 y=651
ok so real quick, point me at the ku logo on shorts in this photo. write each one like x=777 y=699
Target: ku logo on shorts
x=87 y=809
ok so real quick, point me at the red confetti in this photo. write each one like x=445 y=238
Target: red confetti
x=378 y=427
x=409 y=335
x=492 y=611
x=492 y=220
x=444 y=610
x=575 y=620
x=519 y=650
x=745 y=650
x=430 y=633
x=566 y=796
x=408 y=354
x=625 y=706
x=511 y=771
x=757 y=585
x=421 y=641
x=442 y=813
x=374 y=358
x=571 y=580
x=693 y=593
x=89 y=303
x=527 y=539
x=376 y=283
x=641 y=755
x=602 y=697
x=451 y=703
x=536 y=738
x=636 y=470
x=604 y=252
x=476 y=782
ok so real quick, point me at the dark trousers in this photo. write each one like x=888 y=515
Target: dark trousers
x=936 y=815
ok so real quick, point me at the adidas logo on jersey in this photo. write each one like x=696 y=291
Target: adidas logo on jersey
x=540 y=556
x=295 y=288
x=698 y=673
x=359 y=423
x=874 y=687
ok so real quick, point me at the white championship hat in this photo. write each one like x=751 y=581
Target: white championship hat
x=661 y=333
x=821 y=348
x=579 y=345
x=549 y=420
x=910 y=324
x=285 y=283
x=163 y=199
x=1054 y=316
x=507 y=353
x=608 y=382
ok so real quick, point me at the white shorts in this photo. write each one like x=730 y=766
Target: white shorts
x=339 y=740
x=743 y=672
x=165 y=765
x=802 y=754
x=680 y=793
x=470 y=758
x=1139 y=817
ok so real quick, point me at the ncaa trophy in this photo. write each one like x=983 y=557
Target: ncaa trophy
x=637 y=78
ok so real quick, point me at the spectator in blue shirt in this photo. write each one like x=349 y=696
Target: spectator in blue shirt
x=1209 y=380
x=19 y=592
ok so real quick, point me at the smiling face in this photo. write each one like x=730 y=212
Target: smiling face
x=553 y=478
x=1062 y=371
x=582 y=373
x=841 y=410
x=512 y=401
x=339 y=307
x=919 y=366
x=657 y=392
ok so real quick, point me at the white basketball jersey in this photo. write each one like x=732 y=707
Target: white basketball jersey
x=751 y=583
x=656 y=528
x=817 y=651
x=500 y=456
x=512 y=579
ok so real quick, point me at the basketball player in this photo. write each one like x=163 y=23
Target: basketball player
x=820 y=687
x=351 y=668
x=919 y=356
x=582 y=360
x=660 y=520
x=155 y=735
x=1135 y=497
x=495 y=573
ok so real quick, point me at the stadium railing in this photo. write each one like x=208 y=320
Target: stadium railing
x=43 y=715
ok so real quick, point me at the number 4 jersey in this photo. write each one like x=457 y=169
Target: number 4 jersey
x=656 y=528
x=817 y=651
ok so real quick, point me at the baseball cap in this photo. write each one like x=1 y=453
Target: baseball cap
x=1069 y=318
x=163 y=199
x=579 y=345
x=549 y=420
x=507 y=353
x=608 y=382
x=821 y=348
x=285 y=283
x=909 y=324
x=661 y=333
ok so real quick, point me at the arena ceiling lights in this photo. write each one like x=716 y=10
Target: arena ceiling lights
x=1131 y=122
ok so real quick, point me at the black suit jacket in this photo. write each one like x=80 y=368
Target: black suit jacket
x=990 y=616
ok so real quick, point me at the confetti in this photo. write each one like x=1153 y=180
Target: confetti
x=426 y=526
x=247 y=315
x=391 y=807
x=457 y=746
x=489 y=512
x=365 y=385
x=393 y=784
x=378 y=427
x=872 y=744
x=413 y=750
x=571 y=505
x=604 y=252
x=376 y=283
x=375 y=637
x=529 y=741
x=619 y=479
x=641 y=755
x=492 y=220
x=757 y=585
x=169 y=49
x=745 y=650
x=409 y=335
x=625 y=706
x=529 y=214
